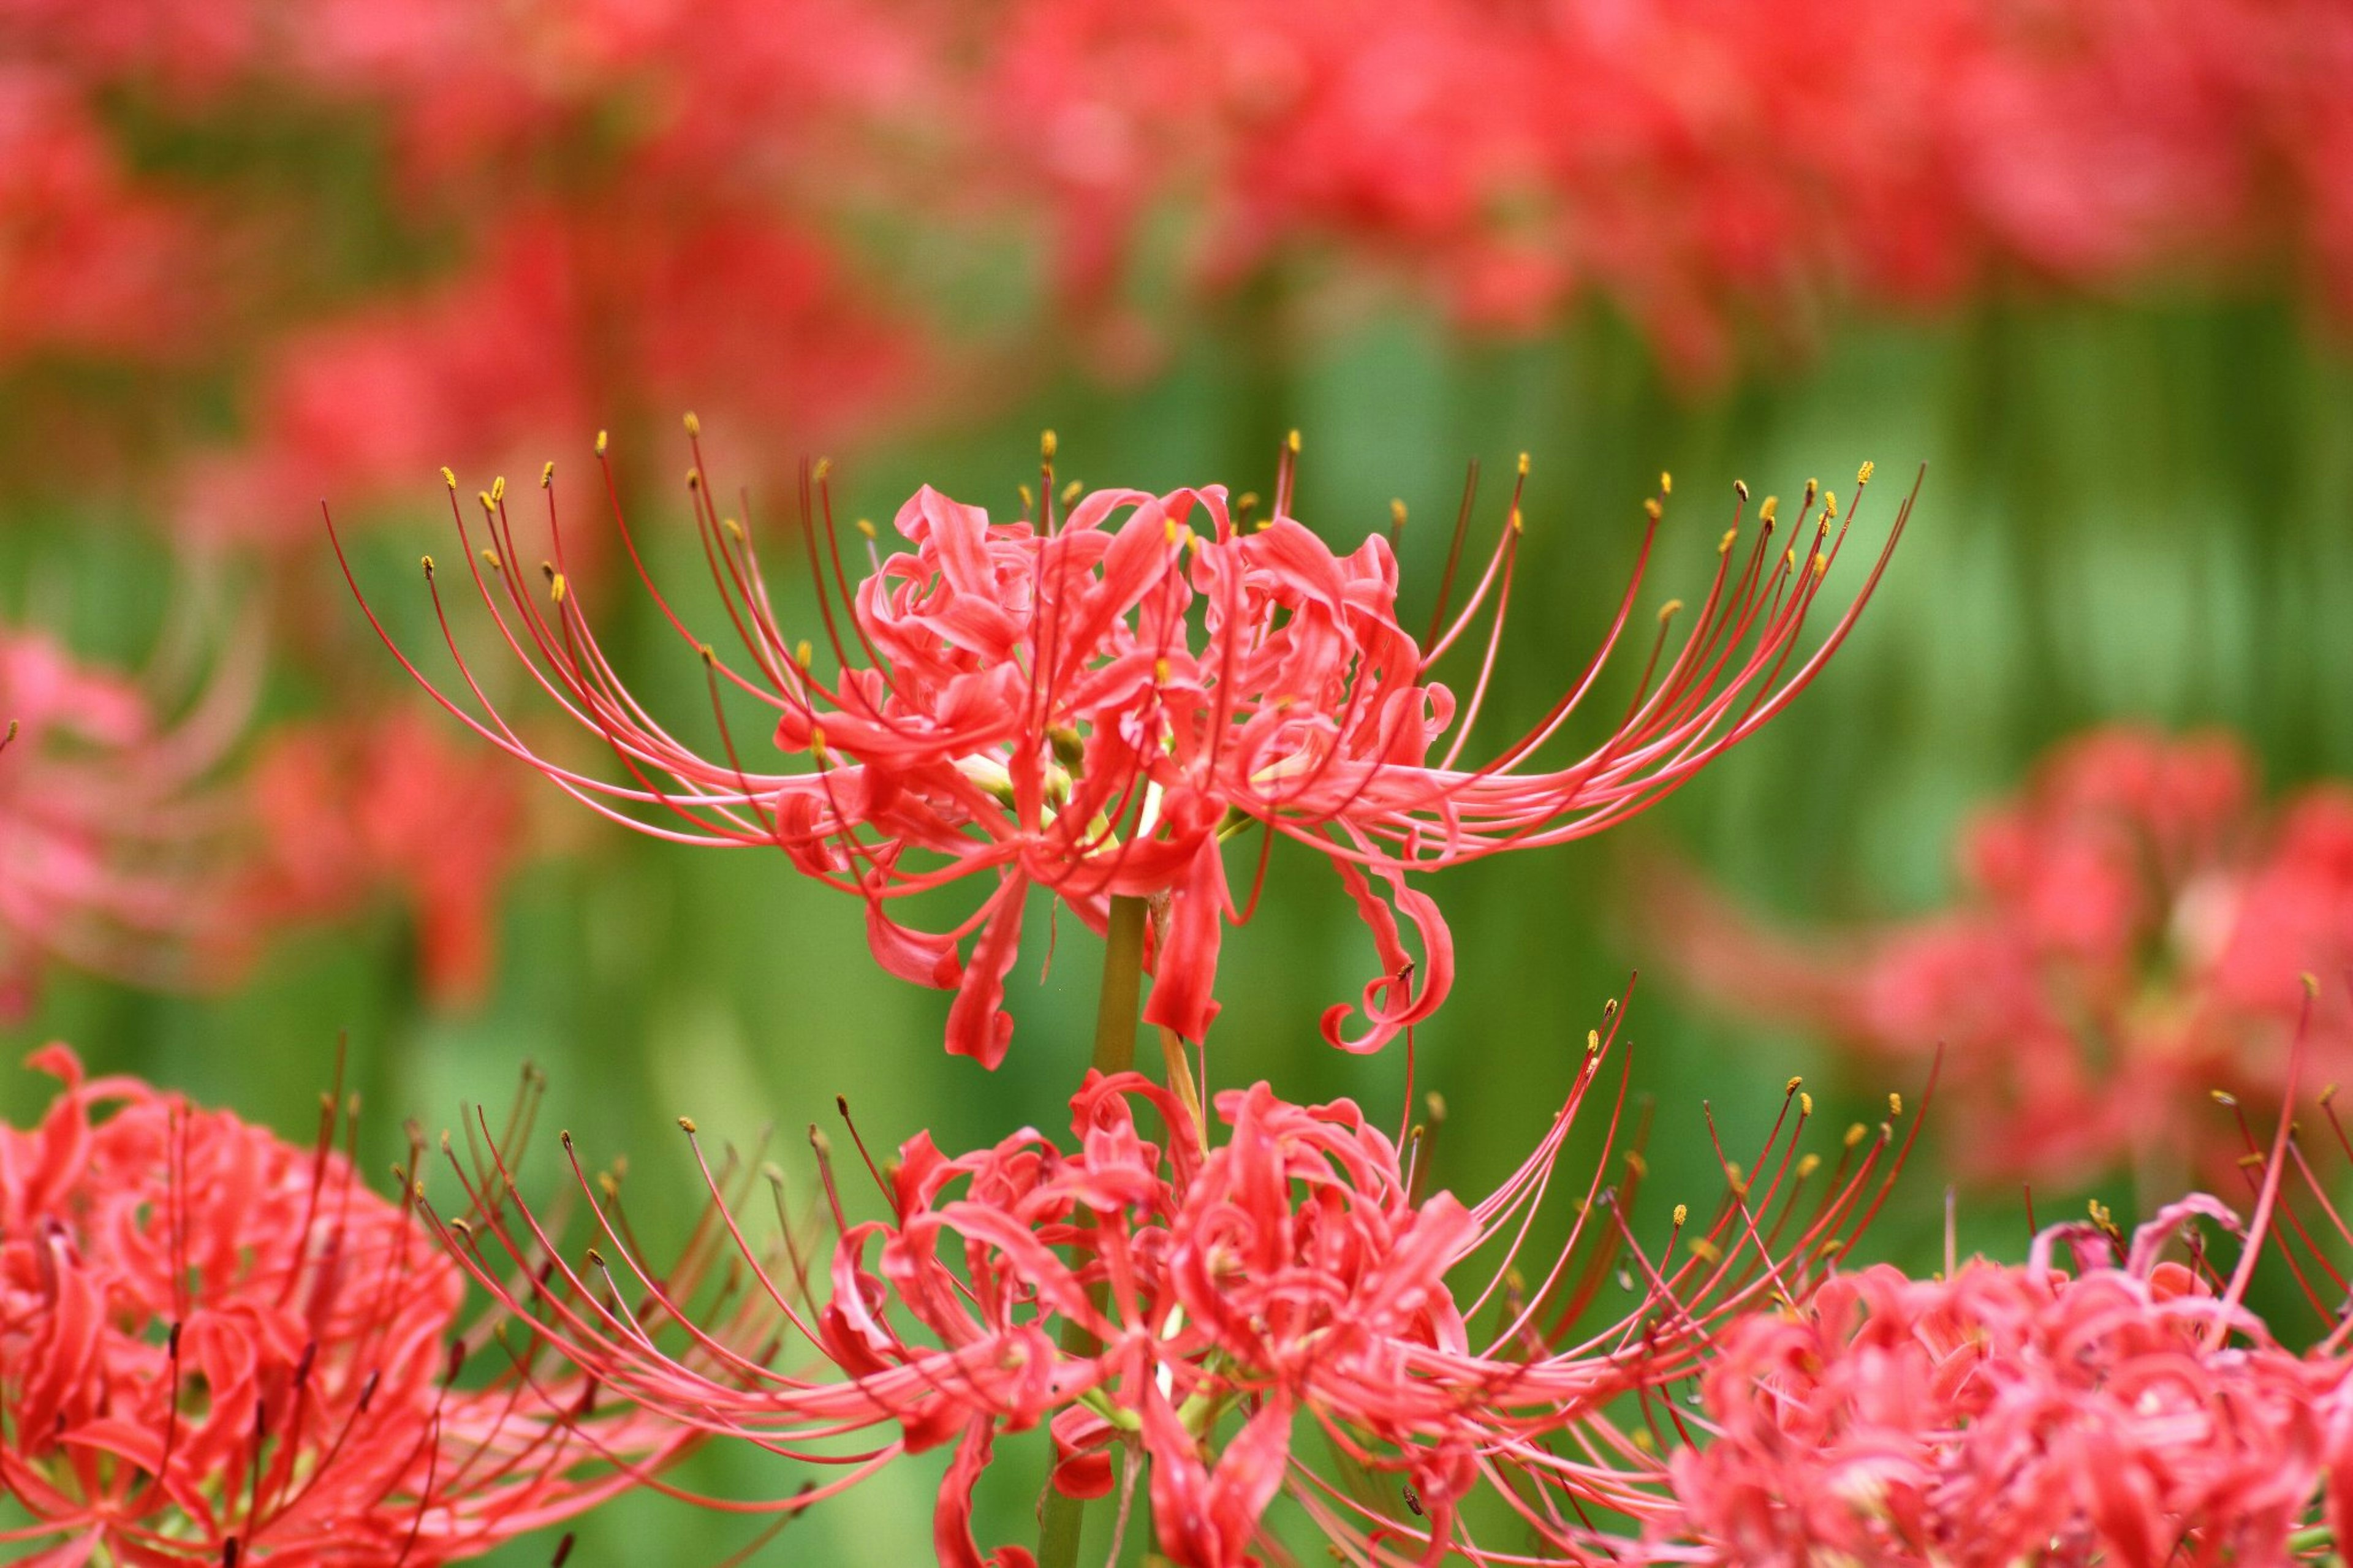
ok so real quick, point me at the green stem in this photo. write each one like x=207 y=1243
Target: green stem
x=1061 y=1519
x=1123 y=986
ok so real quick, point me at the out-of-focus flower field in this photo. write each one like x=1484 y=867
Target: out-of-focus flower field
x=2070 y=800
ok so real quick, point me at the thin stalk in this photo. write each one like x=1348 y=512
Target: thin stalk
x=1062 y=1518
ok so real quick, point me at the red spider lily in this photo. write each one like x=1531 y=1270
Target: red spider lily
x=217 y=1347
x=1033 y=701
x=2138 y=1410
x=2130 y=938
x=347 y=809
x=1181 y=1306
x=115 y=841
x=2129 y=1413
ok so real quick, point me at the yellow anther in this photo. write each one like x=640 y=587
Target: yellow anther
x=1813 y=489
x=491 y=559
x=2311 y=986
x=693 y=426
x=1895 y=1103
x=1855 y=1134
x=1592 y=1042
x=801 y=652
x=1682 y=1213
x=1519 y=524
x=2251 y=1162
x=1772 y=505
x=1397 y=513
x=1160 y=671
x=555 y=587
x=710 y=656
x=1523 y=465
x=1821 y=565
x=866 y=526
x=816 y=742
x=449 y=478
x=694 y=479
x=1436 y=1104
x=1291 y=441
x=498 y=488
x=1863 y=475
x=1829 y=503
x=1788 y=560
x=2223 y=1098
x=1636 y=1163
x=686 y=1124
x=1705 y=1250
x=1073 y=491
x=823 y=471
x=600 y=443
x=2328 y=1093
x=1168 y=530
x=1723 y=545
x=1805 y=1103
x=1644 y=1441
x=596 y=1258
x=733 y=529
x=1652 y=510
x=1666 y=483
x=1736 y=1178
x=1028 y=500
x=1740 y=489
x=1669 y=610
x=1807 y=1164
x=429 y=565
x=1794 y=1085
x=490 y=507
x=547 y=474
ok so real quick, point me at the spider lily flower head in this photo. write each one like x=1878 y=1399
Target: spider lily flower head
x=1092 y=699
x=115 y=835
x=2130 y=1410
x=220 y=1347
x=2129 y=937
x=1157 y=1300
x=2115 y=1399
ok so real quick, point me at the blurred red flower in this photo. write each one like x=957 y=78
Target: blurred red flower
x=344 y=809
x=2130 y=938
x=117 y=834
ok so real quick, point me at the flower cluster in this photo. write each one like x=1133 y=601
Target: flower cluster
x=627 y=201
x=2130 y=939
x=1091 y=701
x=601 y=208
x=217 y=1346
x=1710 y=159
x=1185 y=1307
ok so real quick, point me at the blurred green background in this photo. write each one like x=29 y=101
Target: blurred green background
x=2131 y=510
